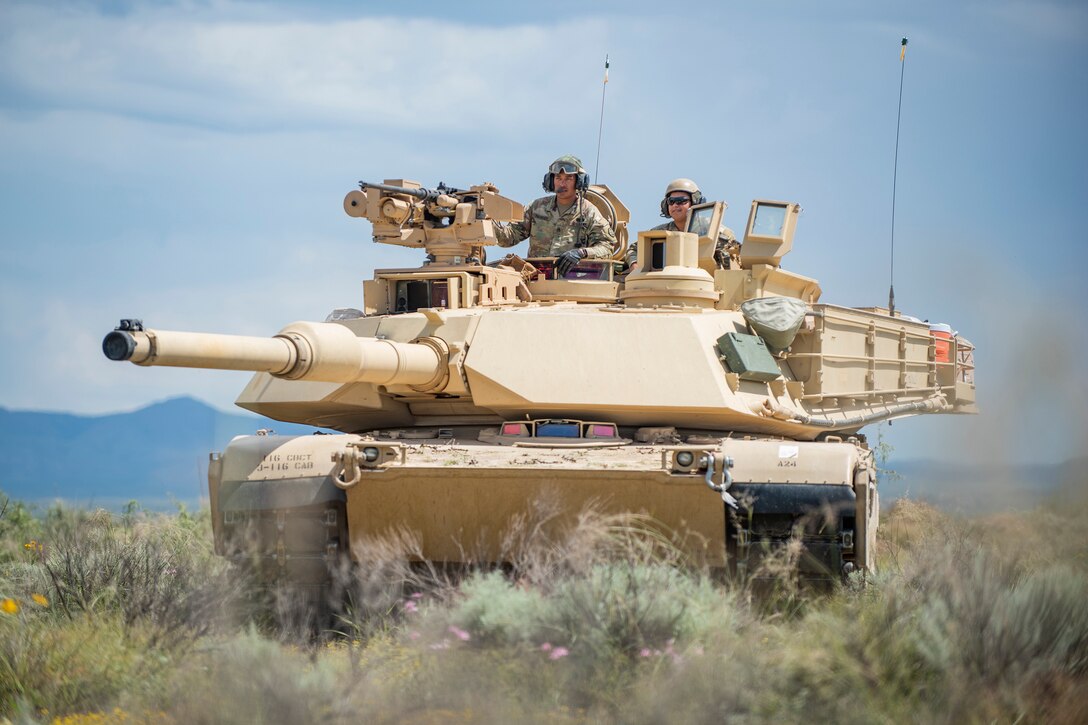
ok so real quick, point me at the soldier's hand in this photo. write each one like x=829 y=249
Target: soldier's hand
x=568 y=259
x=721 y=256
x=724 y=252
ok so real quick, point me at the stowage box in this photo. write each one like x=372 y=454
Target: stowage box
x=748 y=357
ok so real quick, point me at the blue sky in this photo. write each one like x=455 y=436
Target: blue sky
x=185 y=162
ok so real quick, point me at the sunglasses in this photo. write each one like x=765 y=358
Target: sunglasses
x=678 y=200
x=564 y=167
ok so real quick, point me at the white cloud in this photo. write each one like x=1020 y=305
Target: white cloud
x=185 y=163
x=270 y=72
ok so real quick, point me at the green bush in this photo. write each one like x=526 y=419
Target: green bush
x=158 y=572
x=602 y=622
x=83 y=664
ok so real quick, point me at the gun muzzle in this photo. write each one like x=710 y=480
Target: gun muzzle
x=318 y=351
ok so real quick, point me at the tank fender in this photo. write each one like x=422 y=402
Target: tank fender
x=287 y=481
x=867 y=513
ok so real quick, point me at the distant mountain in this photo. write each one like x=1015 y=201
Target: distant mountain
x=155 y=455
x=979 y=489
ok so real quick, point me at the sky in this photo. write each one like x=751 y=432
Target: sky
x=185 y=163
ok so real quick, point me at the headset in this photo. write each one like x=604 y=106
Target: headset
x=581 y=182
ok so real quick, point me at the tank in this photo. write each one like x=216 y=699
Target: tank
x=724 y=407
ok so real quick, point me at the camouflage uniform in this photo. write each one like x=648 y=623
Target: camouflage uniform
x=725 y=236
x=552 y=231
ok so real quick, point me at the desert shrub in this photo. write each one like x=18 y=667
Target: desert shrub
x=985 y=629
x=616 y=606
x=251 y=679
x=997 y=625
x=495 y=611
x=1036 y=539
x=371 y=595
x=621 y=608
x=158 y=571
x=20 y=530
x=612 y=584
x=603 y=621
x=910 y=527
x=84 y=664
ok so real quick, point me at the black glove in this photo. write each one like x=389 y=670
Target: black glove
x=568 y=259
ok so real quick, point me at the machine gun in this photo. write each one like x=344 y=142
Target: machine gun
x=451 y=224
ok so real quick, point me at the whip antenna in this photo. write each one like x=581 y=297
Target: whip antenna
x=600 y=128
x=895 y=174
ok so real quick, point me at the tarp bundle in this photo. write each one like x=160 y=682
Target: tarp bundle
x=775 y=319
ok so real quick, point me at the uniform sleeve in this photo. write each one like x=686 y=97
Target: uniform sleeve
x=600 y=240
x=513 y=233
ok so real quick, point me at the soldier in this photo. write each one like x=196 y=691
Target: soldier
x=565 y=225
x=680 y=196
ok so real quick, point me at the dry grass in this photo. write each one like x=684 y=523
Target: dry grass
x=604 y=621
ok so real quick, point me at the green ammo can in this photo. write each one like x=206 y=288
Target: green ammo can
x=748 y=357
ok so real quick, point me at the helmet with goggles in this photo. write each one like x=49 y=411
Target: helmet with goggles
x=567 y=164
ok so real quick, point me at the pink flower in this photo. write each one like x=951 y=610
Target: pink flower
x=417 y=595
x=558 y=653
x=644 y=652
x=460 y=634
x=546 y=646
x=411 y=607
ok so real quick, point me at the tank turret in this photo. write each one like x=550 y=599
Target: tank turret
x=723 y=402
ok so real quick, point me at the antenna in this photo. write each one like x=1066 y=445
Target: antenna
x=600 y=128
x=895 y=174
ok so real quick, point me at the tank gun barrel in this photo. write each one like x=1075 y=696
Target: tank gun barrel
x=318 y=351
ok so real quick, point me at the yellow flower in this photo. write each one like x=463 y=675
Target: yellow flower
x=9 y=606
x=40 y=600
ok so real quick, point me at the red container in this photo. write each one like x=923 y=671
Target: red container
x=942 y=339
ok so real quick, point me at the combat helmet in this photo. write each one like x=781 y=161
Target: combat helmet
x=681 y=185
x=569 y=164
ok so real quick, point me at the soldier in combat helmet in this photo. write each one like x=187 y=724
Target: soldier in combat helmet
x=680 y=196
x=564 y=225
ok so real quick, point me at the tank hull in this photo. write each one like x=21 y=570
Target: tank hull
x=296 y=507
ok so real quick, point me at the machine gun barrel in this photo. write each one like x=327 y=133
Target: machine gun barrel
x=318 y=351
x=441 y=195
